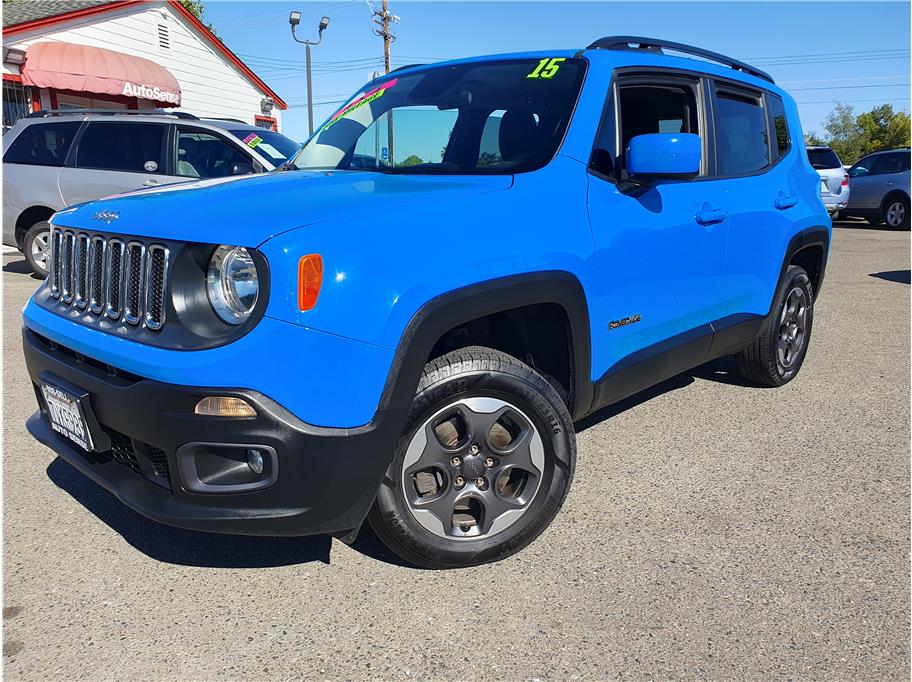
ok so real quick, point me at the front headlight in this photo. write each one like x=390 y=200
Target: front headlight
x=232 y=283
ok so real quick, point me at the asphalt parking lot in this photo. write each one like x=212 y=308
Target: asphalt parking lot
x=713 y=530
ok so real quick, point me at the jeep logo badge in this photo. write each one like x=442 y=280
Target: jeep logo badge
x=107 y=217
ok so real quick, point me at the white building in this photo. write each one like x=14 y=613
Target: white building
x=128 y=54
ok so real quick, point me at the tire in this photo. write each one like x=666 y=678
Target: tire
x=36 y=247
x=895 y=212
x=429 y=510
x=765 y=361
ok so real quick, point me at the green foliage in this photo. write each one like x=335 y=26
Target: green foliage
x=851 y=137
x=198 y=9
x=410 y=161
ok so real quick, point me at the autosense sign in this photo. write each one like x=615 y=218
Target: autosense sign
x=153 y=93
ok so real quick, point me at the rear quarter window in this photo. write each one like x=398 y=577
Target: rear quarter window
x=741 y=132
x=43 y=144
x=778 y=124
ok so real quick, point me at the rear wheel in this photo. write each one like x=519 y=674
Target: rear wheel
x=896 y=213
x=36 y=247
x=776 y=356
x=484 y=464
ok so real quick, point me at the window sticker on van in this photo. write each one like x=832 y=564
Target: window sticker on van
x=252 y=140
x=269 y=150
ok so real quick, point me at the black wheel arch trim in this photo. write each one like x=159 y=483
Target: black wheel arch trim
x=807 y=238
x=459 y=306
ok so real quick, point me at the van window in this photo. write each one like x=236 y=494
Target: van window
x=742 y=136
x=120 y=146
x=43 y=144
x=779 y=125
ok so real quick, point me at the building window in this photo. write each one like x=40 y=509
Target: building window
x=17 y=103
x=267 y=122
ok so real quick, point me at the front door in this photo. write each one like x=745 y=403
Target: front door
x=659 y=249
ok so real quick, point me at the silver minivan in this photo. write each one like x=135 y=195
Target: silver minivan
x=54 y=159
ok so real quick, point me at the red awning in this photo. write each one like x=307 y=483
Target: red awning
x=65 y=66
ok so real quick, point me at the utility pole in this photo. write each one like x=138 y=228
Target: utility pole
x=383 y=19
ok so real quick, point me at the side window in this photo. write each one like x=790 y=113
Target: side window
x=742 y=142
x=779 y=126
x=203 y=155
x=43 y=144
x=887 y=163
x=119 y=146
x=659 y=108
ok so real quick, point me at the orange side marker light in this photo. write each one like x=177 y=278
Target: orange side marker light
x=310 y=278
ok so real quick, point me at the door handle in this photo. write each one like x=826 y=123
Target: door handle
x=707 y=215
x=784 y=201
x=151 y=183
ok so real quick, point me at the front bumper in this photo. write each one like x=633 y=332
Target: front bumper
x=326 y=478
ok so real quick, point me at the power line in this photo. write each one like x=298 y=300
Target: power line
x=850 y=87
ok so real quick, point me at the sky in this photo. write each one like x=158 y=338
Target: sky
x=856 y=52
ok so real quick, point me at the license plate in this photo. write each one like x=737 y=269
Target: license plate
x=67 y=418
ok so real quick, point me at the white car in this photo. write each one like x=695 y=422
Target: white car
x=834 y=180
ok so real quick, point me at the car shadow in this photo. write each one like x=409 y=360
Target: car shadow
x=20 y=267
x=861 y=224
x=722 y=370
x=899 y=276
x=186 y=547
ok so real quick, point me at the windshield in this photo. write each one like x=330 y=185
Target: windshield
x=271 y=145
x=823 y=159
x=479 y=117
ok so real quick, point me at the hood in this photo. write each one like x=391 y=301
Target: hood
x=246 y=211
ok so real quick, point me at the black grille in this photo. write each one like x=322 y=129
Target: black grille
x=122 y=281
x=159 y=461
x=122 y=450
x=138 y=456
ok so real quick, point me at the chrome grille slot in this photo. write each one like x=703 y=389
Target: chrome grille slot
x=114 y=280
x=156 y=284
x=97 y=275
x=133 y=281
x=69 y=242
x=81 y=270
x=123 y=281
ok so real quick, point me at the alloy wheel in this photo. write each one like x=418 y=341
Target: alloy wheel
x=792 y=327
x=473 y=468
x=41 y=249
x=896 y=214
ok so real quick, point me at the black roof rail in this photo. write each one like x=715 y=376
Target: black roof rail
x=45 y=113
x=229 y=120
x=656 y=46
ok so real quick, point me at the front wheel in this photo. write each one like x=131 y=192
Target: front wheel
x=36 y=246
x=776 y=356
x=484 y=464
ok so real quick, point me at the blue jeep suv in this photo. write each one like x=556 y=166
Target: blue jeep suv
x=403 y=323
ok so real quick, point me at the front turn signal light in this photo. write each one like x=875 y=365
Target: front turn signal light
x=224 y=406
x=310 y=278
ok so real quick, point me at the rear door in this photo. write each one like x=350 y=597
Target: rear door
x=115 y=156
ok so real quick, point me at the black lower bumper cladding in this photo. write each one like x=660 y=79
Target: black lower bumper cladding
x=317 y=480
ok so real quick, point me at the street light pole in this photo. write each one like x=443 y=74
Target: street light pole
x=294 y=19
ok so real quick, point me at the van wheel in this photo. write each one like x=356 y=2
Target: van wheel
x=896 y=213
x=484 y=464
x=776 y=356
x=36 y=247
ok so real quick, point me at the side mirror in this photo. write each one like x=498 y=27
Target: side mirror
x=240 y=169
x=663 y=155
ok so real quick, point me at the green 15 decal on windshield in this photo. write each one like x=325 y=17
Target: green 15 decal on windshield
x=547 y=67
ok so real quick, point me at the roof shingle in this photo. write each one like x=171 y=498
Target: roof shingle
x=23 y=11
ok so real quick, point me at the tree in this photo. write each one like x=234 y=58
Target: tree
x=851 y=137
x=198 y=9
x=410 y=161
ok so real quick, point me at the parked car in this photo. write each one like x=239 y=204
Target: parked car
x=880 y=188
x=54 y=159
x=834 y=180
x=542 y=235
